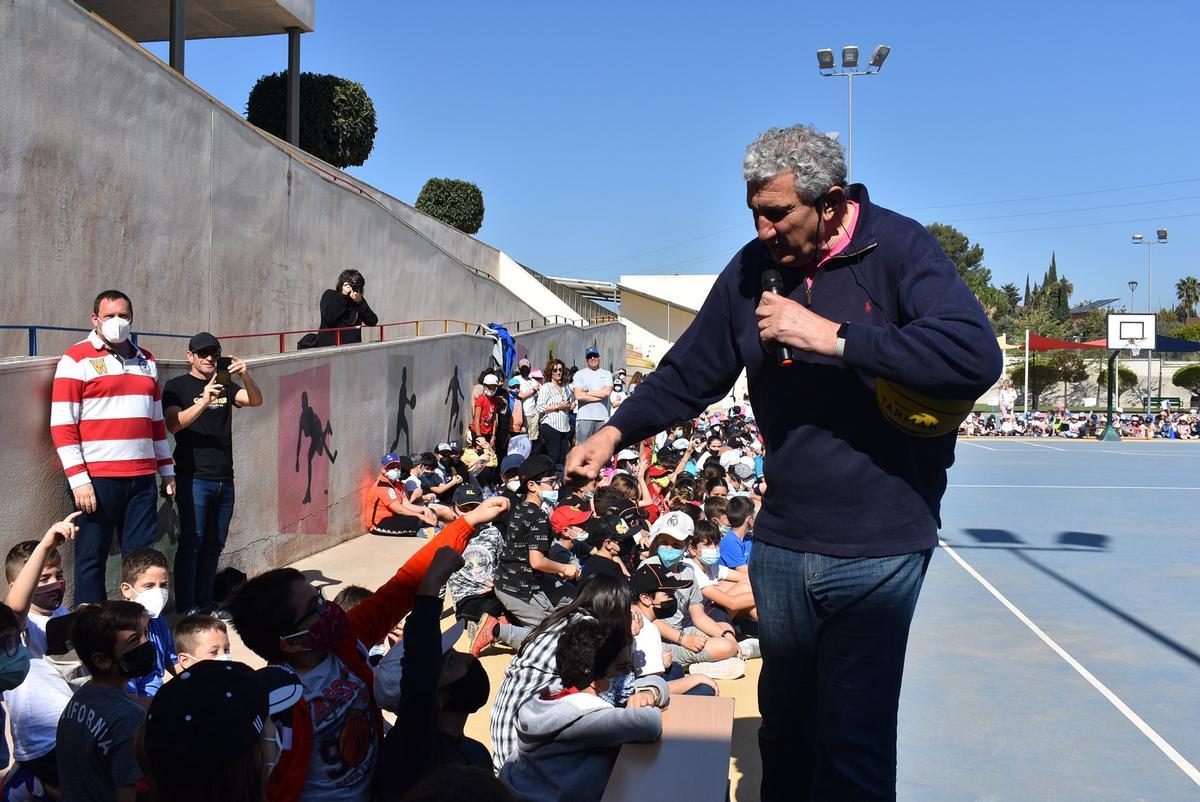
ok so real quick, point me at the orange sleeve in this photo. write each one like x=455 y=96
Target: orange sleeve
x=374 y=618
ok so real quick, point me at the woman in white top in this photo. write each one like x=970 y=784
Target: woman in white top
x=1008 y=399
x=554 y=400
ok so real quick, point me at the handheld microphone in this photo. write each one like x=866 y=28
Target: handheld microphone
x=772 y=282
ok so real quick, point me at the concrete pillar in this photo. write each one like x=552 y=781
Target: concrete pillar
x=178 y=33
x=293 y=87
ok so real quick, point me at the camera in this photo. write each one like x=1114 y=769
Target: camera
x=356 y=286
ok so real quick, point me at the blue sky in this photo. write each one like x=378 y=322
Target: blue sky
x=607 y=138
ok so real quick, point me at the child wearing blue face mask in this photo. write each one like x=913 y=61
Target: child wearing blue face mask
x=727 y=593
x=696 y=641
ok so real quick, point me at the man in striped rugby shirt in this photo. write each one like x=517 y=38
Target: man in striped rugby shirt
x=106 y=421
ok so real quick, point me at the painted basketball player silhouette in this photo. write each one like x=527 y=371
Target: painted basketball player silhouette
x=406 y=402
x=310 y=426
x=454 y=396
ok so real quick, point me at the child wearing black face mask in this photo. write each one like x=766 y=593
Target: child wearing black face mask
x=438 y=689
x=95 y=734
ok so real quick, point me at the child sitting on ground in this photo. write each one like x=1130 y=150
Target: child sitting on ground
x=568 y=735
x=200 y=637
x=726 y=592
x=144 y=577
x=471 y=586
x=652 y=589
x=737 y=541
x=35 y=593
x=96 y=732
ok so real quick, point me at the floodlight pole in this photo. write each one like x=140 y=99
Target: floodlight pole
x=1137 y=239
x=850 y=73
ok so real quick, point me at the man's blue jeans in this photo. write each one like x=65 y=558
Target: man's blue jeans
x=127 y=505
x=833 y=633
x=205 y=509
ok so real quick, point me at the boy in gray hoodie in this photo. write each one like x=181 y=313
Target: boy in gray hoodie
x=568 y=734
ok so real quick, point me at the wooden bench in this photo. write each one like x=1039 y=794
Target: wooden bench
x=690 y=761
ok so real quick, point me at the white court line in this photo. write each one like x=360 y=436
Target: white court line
x=977 y=445
x=1179 y=760
x=1143 y=453
x=1077 y=487
x=1038 y=445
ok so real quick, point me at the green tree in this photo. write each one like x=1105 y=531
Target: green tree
x=1028 y=297
x=1093 y=326
x=1038 y=321
x=1187 y=289
x=1126 y=380
x=1188 y=378
x=967 y=258
x=337 y=117
x=1042 y=376
x=455 y=202
x=1011 y=294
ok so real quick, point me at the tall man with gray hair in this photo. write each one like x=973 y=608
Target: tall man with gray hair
x=865 y=301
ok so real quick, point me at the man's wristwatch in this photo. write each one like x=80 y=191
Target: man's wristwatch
x=839 y=347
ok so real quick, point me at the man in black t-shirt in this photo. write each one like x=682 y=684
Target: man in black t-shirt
x=198 y=408
x=524 y=555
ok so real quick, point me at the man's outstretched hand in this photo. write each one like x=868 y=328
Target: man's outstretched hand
x=587 y=459
x=488 y=511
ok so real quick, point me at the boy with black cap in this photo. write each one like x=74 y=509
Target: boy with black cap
x=605 y=536
x=524 y=556
x=471 y=586
x=653 y=591
x=198 y=410
x=391 y=513
x=216 y=714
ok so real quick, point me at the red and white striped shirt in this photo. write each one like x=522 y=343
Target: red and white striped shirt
x=106 y=415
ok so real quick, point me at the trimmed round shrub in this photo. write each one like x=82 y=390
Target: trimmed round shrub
x=337 y=117
x=454 y=202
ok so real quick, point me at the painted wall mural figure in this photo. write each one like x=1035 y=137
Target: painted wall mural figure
x=406 y=402
x=454 y=397
x=310 y=426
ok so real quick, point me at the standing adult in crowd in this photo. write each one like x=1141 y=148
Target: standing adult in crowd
x=527 y=396
x=345 y=307
x=867 y=295
x=592 y=386
x=554 y=402
x=1008 y=401
x=106 y=422
x=198 y=408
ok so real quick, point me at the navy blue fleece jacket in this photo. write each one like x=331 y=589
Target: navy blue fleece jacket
x=841 y=480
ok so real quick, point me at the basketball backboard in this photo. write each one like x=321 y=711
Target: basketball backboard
x=1135 y=332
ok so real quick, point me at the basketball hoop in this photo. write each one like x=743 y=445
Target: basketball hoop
x=1134 y=346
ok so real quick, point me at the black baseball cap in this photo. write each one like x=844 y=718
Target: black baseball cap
x=511 y=463
x=214 y=711
x=602 y=528
x=203 y=342
x=467 y=494
x=538 y=466
x=650 y=579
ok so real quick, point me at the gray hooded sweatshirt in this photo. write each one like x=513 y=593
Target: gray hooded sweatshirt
x=566 y=746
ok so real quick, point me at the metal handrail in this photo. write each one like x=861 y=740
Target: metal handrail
x=431 y=325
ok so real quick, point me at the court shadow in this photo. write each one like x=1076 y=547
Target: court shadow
x=1085 y=539
x=318 y=578
x=1133 y=621
x=1082 y=542
x=746 y=758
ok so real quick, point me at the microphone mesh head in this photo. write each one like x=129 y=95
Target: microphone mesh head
x=772 y=280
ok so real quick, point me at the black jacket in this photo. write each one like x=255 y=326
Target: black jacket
x=338 y=310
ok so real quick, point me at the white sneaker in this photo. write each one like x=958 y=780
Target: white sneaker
x=748 y=649
x=729 y=668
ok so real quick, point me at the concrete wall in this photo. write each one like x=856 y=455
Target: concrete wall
x=402 y=396
x=122 y=174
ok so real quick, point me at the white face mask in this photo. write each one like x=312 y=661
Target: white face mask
x=514 y=485
x=115 y=330
x=154 y=600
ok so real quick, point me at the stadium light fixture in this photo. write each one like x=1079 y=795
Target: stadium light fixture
x=849 y=70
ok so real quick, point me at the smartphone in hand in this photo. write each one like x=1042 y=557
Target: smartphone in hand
x=223 y=364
